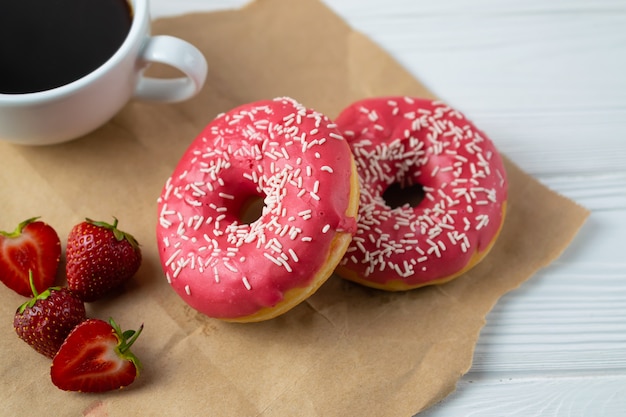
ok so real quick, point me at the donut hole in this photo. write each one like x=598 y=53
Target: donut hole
x=252 y=209
x=398 y=195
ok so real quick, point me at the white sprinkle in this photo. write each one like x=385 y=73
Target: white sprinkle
x=271 y=258
x=187 y=290
x=173 y=257
x=246 y=283
x=177 y=271
x=199 y=222
x=227 y=196
x=286 y=265
x=483 y=220
x=230 y=267
x=198 y=192
x=293 y=255
x=327 y=169
x=326 y=228
x=194 y=203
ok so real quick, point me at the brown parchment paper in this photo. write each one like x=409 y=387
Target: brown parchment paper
x=348 y=350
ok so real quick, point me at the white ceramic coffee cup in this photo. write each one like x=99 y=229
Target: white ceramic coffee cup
x=75 y=109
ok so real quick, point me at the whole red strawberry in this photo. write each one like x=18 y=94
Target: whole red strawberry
x=96 y=357
x=32 y=246
x=100 y=257
x=45 y=320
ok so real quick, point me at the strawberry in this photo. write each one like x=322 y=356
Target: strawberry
x=46 y=319
x=100 y=257
x=32 y=246
x=96 y=357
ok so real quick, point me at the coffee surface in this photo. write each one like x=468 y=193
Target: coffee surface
x=49 y=43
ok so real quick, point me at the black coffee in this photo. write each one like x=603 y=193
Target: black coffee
x=48 y=43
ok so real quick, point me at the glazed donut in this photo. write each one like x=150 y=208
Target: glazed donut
x=296 y=163
x=416 y=142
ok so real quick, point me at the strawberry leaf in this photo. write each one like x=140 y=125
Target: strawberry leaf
x=117 y=233
x=18 y=230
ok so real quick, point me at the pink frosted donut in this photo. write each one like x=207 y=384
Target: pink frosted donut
x=409 y=141
x=293 y=160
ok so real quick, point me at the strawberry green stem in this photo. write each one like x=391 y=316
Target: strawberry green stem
x=131 y=338
x=126 y=340
x=36 y=296
x=32 y=283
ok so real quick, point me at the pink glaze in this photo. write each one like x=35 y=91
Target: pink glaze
x=278 y=150
x=414 y=141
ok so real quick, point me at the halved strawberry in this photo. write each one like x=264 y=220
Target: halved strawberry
x=32 y=246
x=99 y=258
x=46 y=319
x=96 y=357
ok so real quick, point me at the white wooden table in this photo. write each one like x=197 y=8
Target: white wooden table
x=547 y=81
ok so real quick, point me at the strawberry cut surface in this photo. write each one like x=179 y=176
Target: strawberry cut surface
x=32 y=246
x=95 y=357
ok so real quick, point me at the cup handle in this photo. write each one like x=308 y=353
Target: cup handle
x=178 y=54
